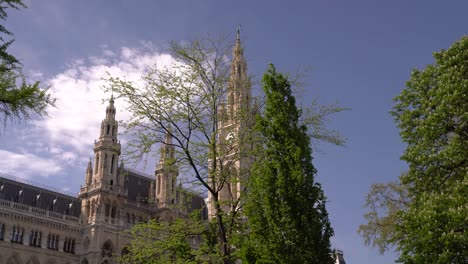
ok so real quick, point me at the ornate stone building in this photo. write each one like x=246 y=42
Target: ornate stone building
x=236 y=118
x=41 y=225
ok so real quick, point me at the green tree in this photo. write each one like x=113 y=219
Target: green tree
x=385 y=202
x=18 y=99
x=185 y=101
x=432 y=115
x=166 y=242
x=285 y=207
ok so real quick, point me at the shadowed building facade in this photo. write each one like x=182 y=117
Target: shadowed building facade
x=41 y=225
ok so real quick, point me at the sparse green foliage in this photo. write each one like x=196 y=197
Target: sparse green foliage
x=315 y=117
x=285 y=209
x=385 y=202
x=190 y=102
x=432 y=114
x=18 y=99
x=184 y=101
x=167 y=242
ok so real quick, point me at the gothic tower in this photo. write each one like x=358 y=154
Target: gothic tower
x=103 y=187
x=235 y=124
x=166 y=175
x=103 y=196
x=107 y=149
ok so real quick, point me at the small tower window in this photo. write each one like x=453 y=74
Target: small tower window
x=108 y=129
x=105 y=161
x=159 y=185
x=112 y=163
x=97 y=164
x=113 y=129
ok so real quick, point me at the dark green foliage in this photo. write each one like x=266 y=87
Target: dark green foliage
x=432 y=114
x=286 y=213
x=18 y=99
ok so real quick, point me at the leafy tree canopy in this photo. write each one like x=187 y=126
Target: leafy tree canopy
x=18 y=99
x=432 y=114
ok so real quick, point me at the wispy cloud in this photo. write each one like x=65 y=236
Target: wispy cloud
x=75 y=123
x=65 y=139
x=27 y=165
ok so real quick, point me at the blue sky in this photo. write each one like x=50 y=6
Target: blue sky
x=359 y=54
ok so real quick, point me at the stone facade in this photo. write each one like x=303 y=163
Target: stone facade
x=41 y=225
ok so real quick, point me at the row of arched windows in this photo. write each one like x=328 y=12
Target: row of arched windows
x=35 y=238
x=69 y=245
x=113 y=162
x=17 y=234
x=52 y=241
x=132 y=219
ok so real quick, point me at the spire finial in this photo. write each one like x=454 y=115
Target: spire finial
x=238 y=32
x=90 y=166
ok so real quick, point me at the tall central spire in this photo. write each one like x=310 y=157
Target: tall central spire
x=110 y=110
x=239 y=83
x=107 y=149
x=238 y=52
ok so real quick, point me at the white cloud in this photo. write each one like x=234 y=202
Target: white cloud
x=26 y=165
x=75 y=123
x=64 y=140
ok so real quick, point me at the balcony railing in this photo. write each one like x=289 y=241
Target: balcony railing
x=37 y=211
x=104 y=186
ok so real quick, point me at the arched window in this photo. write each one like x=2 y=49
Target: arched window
x=92 y=208
x=112 y=163
x=107 y=208
x=87 y=208
x=113 y=212
x=17 y=235
x=105 y=161
x=106 y=249
x=108 y=128
x=159 y=185
x=96 y=166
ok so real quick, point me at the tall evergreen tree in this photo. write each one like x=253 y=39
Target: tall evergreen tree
x=288 y=222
